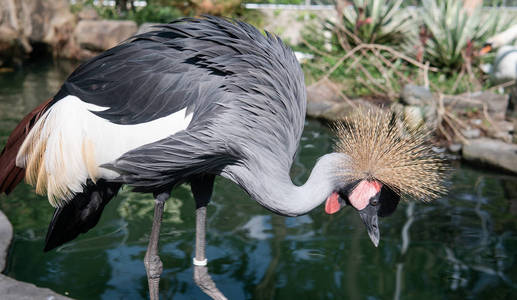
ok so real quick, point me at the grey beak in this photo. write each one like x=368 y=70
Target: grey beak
x=370 y=219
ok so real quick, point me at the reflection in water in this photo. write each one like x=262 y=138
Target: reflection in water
x=462 y=246
x=266 y=288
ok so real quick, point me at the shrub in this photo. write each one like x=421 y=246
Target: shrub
x=372 y=21
x=451 y=34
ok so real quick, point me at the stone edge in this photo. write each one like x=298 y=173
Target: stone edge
x=11 y=288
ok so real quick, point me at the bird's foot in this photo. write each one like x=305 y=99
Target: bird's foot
x=206 y=284
x=154 y=268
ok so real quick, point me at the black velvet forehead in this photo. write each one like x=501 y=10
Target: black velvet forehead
x=388 y=201
x=347 y=189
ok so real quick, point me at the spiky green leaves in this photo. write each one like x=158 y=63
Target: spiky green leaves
x=383 y=146
x=452 y=31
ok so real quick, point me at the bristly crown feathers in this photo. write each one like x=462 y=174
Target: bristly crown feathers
x=383 y=146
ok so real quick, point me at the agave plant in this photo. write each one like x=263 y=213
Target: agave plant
x=373 y=21
x=452 y=33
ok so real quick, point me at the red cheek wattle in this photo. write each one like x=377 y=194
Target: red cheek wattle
x=332 y=204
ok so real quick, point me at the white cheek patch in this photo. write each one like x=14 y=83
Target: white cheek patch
x=362 y=193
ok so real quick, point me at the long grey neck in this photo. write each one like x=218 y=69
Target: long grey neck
x=271 y=186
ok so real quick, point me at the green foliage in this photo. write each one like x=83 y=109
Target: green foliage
x=452 y=34
x=153 y=12
x=396 y=44
x=374 y=21
x=164 y=11
x=157 y=14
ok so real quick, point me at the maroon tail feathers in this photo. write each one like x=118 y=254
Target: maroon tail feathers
x=10 y=174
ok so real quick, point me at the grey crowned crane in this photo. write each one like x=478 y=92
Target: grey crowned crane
x=504 y=67
x=193 y=99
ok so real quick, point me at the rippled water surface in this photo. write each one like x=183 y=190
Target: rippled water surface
x=463 y=246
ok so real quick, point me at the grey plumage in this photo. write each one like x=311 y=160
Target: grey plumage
x=249 y=108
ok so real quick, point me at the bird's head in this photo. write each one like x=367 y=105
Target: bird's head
x=370 y=198
x=385 y=159
x=487 y=47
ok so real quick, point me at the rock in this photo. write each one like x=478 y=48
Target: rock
x=492 y=152
x=501 y=130
x=503 y=136
x=323 y=91
x=455 y=147
x=471 y=133
x=104 y=34
x=146 y=27
x=60 y=38
x=397 y=108
x=328 y=110
x=416 y=95
x=323 y=101
x=477 y=122
x=422 y=114
x=334 y=111
x=414 y=115
x=24 y=23
x=504 y=126
x=6 y=235
x=88 y=13
x=496 y=104
x=514 y=139
x=11 y=289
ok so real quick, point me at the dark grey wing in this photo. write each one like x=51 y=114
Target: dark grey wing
x=148 y=77
x=161 y=165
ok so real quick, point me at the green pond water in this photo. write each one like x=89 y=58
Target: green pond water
x=463 y=246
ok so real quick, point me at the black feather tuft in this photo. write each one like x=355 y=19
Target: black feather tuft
x=80 y=214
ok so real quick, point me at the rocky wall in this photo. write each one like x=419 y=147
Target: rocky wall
x=28 y=26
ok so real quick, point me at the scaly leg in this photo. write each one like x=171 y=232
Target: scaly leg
x=201 y=276
x=152 y=262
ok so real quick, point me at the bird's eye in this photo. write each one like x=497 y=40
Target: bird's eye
x=374 y=201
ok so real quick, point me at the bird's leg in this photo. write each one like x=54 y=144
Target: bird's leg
x=201 y=276
x=202 y=187
x=152 y=262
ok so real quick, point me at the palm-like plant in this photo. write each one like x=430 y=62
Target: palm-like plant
x=452 y=34
x=373 y=21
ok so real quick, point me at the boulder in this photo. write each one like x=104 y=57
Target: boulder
x=455 y=148
x=11 y=289
x=6 y=235
x=328 y=110
x=496 y=104
x=414 y=115
x=501 y=130
x=323 y=101
x=416 y=95
x=323 y=91
x=9 y=25
x=334 y=111
x=101 y=35
x=492 y=152
x=471 y=133
x=88 y=13
x=418 y=115
x=26 y=22
x=514 y=138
